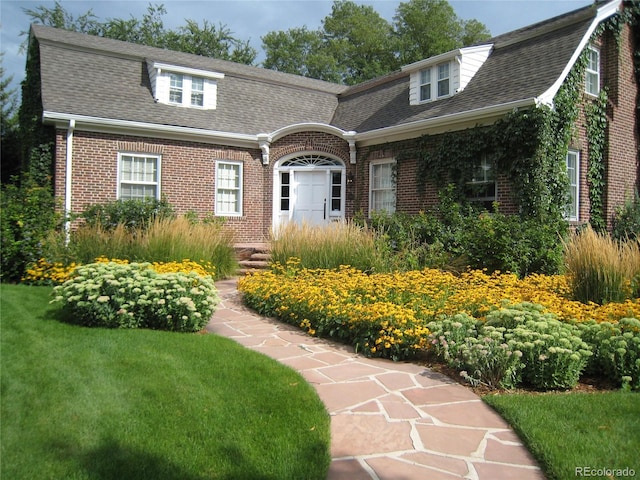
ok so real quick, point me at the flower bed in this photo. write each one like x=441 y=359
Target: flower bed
x=388 y=315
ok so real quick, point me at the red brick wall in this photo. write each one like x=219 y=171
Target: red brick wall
x=187 y=175
x=622 y=134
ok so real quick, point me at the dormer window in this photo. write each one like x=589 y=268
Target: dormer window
x=444 y=75
x=443 y=80
x=592 y=72
x=182 y=86
x=425 y=85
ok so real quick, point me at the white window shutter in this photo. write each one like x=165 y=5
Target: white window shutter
x=210 y=94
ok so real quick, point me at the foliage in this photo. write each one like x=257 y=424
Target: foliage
x=131 y=214
x=356 y=44
x=143 y=404
x=616 y=348
x=27 y=215
x=116 y=295
x=517 y=344
x=388 y=314
x=426 y=28
x=327 y=247
x=596 y=115
x=302 y=52
x=162 y=239
x=9 y=128
x=55 y=273
x=456 y=236
x=601 y=269
x=626 y=222
x=150 y=30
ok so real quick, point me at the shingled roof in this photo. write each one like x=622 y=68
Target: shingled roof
x=101 y=78
x=104 y=78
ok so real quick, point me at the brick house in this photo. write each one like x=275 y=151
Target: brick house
x=262 y=148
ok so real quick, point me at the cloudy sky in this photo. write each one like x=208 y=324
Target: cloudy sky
x=252 y=19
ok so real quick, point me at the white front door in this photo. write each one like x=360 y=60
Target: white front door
x=311 y=190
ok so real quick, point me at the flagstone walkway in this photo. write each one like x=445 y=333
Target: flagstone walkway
x=389 y=420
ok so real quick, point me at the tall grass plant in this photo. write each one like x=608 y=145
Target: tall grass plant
x=164 y=239
x=328 y=247
x=600 y=268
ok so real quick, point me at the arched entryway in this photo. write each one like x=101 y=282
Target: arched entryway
x=308 y=188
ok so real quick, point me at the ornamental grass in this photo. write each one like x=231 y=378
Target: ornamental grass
x=600 y=268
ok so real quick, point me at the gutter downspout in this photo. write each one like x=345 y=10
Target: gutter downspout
x=67 y=180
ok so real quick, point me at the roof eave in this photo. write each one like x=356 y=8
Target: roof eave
x=451 y=122
x=128 y=127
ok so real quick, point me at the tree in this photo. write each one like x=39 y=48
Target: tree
x=150 y=30
x=302 y=52
x=360 y=40
x=355 y=44
x=9 y=137
x=426 y=28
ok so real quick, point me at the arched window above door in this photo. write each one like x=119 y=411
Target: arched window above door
x=311 y=160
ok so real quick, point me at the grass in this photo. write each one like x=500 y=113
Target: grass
x=327 y=247
x=163 y=240
x=82 y=403
x=601 y=269
x=565 y=431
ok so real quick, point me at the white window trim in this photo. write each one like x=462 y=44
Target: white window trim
x=141 y=155
x=240 y=189
x=576 y=200
x=596 y=73
x=434 y=81
x=484 y=181
x=372 y=165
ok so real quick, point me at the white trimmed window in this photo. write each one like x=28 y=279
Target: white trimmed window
x=435 y=82
x=573 y=172
x=592 y=71
x=444 y=84
x=382 y=186
x=138 y=176
x=482 y=187
x=182 y=86
x=229 y=188
x=425 y=85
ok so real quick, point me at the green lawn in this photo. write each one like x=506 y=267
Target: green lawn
x=565 y=431
x=81 y=403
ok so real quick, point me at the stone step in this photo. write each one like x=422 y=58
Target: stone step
x=252 y=256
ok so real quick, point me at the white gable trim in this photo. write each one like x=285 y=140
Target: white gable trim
x=185 y=70
x=602 y=14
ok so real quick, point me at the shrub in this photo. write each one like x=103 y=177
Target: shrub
x=116 y=295
x=518 y=344
x=626 y=222
x=553 y=353
x=601 y=269
x=509 y=243
x=26 y=217
x=132 y=214
x=616 y=348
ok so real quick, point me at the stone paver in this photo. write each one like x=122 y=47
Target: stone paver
x=388 y=420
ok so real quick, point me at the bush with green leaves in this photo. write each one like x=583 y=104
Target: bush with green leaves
x=133 y=214
x=553 y=353
x=616 y=348
x=480 y=352
x=27 y=215
x=516 y=345
x=115 y=295
x=626 y=222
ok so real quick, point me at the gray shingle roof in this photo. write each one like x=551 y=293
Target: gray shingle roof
x=104 y=78
x=97 y=77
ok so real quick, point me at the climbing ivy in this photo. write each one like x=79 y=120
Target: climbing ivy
x=596 y=115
